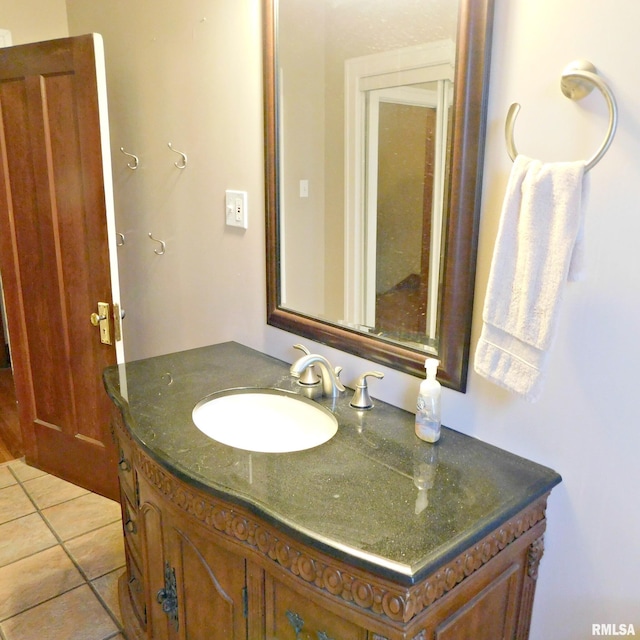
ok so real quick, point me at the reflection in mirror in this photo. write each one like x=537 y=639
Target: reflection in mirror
x=396 y=130
x=402 y=265
x=374 y=121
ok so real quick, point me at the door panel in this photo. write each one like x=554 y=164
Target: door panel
x=156 y=622
x=291 y=616
x=490 y=615
x=54 y=256
x=208 y=574
x=197 y=587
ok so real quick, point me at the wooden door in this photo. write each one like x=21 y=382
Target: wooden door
x=54 y=255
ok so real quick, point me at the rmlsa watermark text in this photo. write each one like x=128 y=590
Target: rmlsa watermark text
x=610 y=630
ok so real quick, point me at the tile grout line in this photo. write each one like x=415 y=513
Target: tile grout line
x=81 y=571
x=33 y=606
x=61 y=543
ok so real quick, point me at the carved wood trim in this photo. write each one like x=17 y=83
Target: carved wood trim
x=118 y=427
x=380 y=596
x=534 y=555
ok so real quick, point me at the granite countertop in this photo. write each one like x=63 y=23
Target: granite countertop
x=356 y=497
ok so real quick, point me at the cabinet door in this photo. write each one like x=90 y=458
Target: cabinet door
x=150 y=523
x=210 y=584
x=293 y=616
x=196 y=589
x=490 y=615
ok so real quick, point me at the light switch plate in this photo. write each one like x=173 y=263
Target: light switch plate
x=236 y=208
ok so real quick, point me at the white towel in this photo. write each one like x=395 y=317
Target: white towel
x=538 y=248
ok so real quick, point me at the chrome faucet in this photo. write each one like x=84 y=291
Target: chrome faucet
x=331 y=385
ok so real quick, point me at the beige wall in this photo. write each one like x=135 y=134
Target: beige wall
x=34 y=20
x=186 y=73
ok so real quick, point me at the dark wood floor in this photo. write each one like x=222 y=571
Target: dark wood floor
x=10 y=437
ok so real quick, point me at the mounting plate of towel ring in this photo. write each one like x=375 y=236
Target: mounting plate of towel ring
x=578 y=80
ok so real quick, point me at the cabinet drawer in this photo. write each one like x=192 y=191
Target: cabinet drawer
x=135 y=587
x=130 y=527
x=125 y=469
x=292 y=616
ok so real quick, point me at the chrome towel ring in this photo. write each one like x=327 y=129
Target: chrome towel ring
x=578 y=80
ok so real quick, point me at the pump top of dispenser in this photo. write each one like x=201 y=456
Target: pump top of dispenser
x=431 y=365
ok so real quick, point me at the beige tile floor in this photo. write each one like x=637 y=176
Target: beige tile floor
x=61 y=554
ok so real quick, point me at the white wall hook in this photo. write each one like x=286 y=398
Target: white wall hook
x=134 y=163
x=181 y=164
x=161 y=250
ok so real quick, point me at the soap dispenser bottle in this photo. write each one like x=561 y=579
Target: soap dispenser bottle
x=428 y=406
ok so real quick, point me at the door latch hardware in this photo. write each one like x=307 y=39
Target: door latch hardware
x=168 y=597
x=117 y=322
x=101 y=320
x=297 y=623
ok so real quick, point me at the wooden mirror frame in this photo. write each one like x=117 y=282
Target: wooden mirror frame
x=473 y=47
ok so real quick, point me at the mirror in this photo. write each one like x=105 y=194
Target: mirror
x=374 y=136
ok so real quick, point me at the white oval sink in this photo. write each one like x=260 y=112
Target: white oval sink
x=264 y=420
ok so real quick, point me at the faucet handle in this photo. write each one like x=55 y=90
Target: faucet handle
x=309 y=376
x=361 y=398
x=302 y=348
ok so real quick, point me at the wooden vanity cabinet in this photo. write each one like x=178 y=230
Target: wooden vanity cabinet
x=202 y=568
